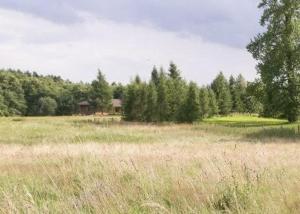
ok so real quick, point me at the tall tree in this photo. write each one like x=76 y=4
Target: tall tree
x=213 y=104
x=239 y=94
x=163 y=107
x=204 y=102
x=222 y=91
x=176 y=88
x=191 y=106
x=101 y=93
x=278 y=53
x=151 y=105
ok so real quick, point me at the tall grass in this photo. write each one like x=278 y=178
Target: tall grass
x=82 y=165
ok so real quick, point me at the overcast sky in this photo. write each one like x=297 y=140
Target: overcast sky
x=73 y=38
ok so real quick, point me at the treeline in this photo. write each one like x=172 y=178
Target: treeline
x=165 y=97
x=168 y=97
x=30 y=94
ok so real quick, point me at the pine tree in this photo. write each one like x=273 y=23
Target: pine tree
x=213 y=104
x=232 y=85
x=151 y=106
x=162 y=98
x=174 y=72
x=191 y=106
x=101 y=93
x=155 y=76
x=176 y=88
x=222 y=91
x=240 y=94
x=204 y=102
x=278 y=53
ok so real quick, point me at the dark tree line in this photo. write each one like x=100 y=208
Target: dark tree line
x=168 y=97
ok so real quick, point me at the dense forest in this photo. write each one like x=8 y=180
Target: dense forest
x=165 y=97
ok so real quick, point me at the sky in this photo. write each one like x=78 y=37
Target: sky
x=124 y=38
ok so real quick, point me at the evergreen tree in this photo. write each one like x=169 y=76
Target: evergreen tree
x=278 y=53
x=232 y=85
x=204 y=102
x=135 y=101
x=213 y=104
x=174 y=72
x=162 y=98
x=151 y=106
x=101 y=93
x=176 y=88
x=118 y=90
x=129 y=102
x=191 y=106
x=155 y=76
x=222 y=92
x=239 y=94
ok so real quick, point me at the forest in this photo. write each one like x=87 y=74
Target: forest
x=167 y=96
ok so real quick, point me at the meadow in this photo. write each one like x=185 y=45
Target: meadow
x=235 y=164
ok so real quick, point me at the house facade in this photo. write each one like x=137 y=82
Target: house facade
x=85 y=108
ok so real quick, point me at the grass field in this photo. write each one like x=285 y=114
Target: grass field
x=237 y=164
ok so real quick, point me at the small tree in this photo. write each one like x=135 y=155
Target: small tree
x=174 y=72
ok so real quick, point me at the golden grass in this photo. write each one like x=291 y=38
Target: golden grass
x=162 y=169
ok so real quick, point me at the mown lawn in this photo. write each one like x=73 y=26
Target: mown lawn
x=236 y=164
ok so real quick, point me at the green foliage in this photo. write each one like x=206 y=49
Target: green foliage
x=151 y=105
x=101 y=93
x=165 y=98
x=47 y=106
x=176 y=87
x=213 y=104
x=12 y=93
x=278 y=53
x=155 y=76
x=238 y=88
x=191 y=106
x=135 y=101
x=221 y=88
x=174 y=73
x=163 y=107
x=118 y=90
x=204 y=102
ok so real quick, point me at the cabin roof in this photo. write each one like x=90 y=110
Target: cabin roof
x=117 y=103
x=84 y=103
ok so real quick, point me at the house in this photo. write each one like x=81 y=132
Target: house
x=85 y=107
x=116 y=106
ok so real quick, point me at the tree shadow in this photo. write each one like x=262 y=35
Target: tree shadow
x=272 y=133
x=250 y=124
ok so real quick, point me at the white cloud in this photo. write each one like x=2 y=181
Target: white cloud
x=75 y=51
